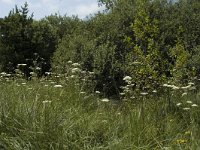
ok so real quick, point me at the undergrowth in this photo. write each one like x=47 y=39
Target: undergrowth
x=55 y=114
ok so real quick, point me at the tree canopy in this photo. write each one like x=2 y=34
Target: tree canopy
x=151 y=41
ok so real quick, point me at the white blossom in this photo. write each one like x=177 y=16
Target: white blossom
x=189 y=102
x=105 y=100
x=69 y=62
x=194 y=105
x=175 y=87
x=97 y=92
x=184 y=94
x=44 y=102
x=178 y=104
x=58 y=86
x=186 y=108
x=154 y=91
x=186 y=87
x=190 y=83
x=127 y=78
x=21 y=65
x=143 y=93
x=74 y=70
x=76 y=64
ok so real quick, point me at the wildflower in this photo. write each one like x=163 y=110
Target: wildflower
x=72 y=76
x=178 y=104
x=97 y=92
x=82 y=92
x=23 y=83
x=194 y=105
x=136 y=63
x=175 y=87
x=91 y=73
x=47 y=73
x=184 y=94
x=21 y=65
x=46 y=85
x=130 y=85
x=38 y=68
x=69 y=62
x=181 y=141
x=105 y=100
x=189 y=102
x=190 y=83
x=143 y=93
x=122 y=94
x=132 y=97
x=76 y=64
x=44 y=102
x=186 y=87
x=127 y=78
x=74 y=70
x=3 y=73
x=104 y=121
x=83 y=72
x=154 y=91
x=58 y=86
x=32 y=73
x=167 y=85
x=8 y=75
x=186 y=108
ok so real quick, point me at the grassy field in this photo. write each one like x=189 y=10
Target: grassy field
x=52 y=114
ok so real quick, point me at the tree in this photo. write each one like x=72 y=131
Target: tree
x=16 y=31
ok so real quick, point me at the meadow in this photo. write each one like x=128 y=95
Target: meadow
x=126 y=78
x=56 y=113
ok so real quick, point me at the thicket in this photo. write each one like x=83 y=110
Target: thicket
x=153 y=42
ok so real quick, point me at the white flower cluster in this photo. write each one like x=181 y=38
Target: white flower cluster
x=190 y=86
x=187 y=104
x=127 y=78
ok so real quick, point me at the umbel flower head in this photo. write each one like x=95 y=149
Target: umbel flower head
x=58 y=86
x=105 y=100
x=127 y=78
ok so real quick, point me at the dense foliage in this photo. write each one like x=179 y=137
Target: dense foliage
x=127 y=78
x=151 y=41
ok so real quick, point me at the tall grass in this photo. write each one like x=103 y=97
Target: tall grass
x=39 y=115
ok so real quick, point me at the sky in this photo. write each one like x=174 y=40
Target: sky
x=42 y=8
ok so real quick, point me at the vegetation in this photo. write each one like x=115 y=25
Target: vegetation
x=127 y=78
x=57 y=113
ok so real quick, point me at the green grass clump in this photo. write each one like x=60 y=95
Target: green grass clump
x=40 y=115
